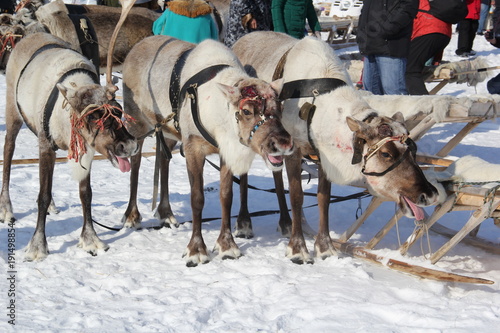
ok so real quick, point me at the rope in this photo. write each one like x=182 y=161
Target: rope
x=422 y=225
x=334 y=199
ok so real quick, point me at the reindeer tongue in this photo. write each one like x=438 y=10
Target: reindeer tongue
x=123 y=164
x=417 y=211
x=275 y=159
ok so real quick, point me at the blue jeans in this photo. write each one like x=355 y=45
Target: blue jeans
x=482 y=17
x=384 y=75
x=493 y=85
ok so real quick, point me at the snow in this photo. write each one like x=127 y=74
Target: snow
x=143 y=285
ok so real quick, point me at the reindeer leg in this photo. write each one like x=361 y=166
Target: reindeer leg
x=196 y=251
x=37 y=248
x=285 y=222
x=14 y=123
x=244 y=221
x=164 y=212
x=89 y=241
x=132 y=217
x=323 y=245
x=297 y=250
x=225 y=244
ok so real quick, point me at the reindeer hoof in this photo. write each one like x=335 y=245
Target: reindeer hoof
x=92 y=245
x=132 y=223
x=300 y=261
x=299 y=257
x=194 y=259
x=9 y=217
x=33 y=254
x=248 y=234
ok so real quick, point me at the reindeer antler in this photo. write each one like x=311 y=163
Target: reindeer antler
x=126 y=7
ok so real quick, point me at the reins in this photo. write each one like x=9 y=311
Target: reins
x=404 y=139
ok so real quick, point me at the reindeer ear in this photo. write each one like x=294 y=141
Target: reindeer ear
x=277 y=85
x=62 y=89
x=354 y=125
x=398 y=116
x=232 y=93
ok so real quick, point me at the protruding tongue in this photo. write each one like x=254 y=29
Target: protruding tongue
x=417 y=211
x=275 y=159
x=123 y=164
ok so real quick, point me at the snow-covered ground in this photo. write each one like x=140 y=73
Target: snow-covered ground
x=143 y=285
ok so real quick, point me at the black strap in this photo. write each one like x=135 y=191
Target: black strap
x=309 y=87
x=89 y=46
x=191 y=87
x=42 y=49
x=54 y=94
x=196 y=116
x=200 y=78
x=175 y=81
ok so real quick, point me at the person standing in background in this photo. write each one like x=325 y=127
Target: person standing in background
x=493 y=37
x=429 y=38
x=187 y=20
x=483 y=14
x=467 y=29
x=289 y=16
x=7 y=6
x=246 y=16
x=383 y=36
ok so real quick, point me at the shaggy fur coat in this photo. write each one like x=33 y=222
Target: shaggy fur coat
x=187 y=20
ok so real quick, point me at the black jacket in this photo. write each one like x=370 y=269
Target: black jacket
x=385 y=27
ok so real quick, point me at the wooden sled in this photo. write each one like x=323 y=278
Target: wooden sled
x=471 y=71
x=468 y=197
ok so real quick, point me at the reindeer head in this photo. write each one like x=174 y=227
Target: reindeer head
x=258 y=114
x=96 y=120
x=389 y=164
x=10 y=35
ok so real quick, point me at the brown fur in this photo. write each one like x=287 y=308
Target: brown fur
x=190 y=8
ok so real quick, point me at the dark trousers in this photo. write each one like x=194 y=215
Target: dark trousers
x=466 y=33
x=422 y=49
x=493 y=85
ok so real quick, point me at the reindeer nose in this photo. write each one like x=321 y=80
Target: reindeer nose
x=126 y=148
x=284 y=145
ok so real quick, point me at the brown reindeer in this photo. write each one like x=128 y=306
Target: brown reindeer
x=328 y=119
x=99 y=22
x=200 y=95
x=71 y=111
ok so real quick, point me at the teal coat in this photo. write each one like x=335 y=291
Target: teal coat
x=289 y=16
x=193 y=30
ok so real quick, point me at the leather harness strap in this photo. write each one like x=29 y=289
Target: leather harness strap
x=54 y=94
x=191 y=87
x=278 y=71
x=309 y=87
x=49 y=105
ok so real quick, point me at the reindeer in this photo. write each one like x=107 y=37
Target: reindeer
x=96 y=28
x=327 y=118
x=213 y=107
x=71 y=111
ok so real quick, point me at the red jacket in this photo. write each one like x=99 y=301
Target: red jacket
x=474 y=7
x=425 y=24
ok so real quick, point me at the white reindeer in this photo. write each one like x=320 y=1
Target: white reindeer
x=328 y=118
x=201 y=95
x=71 y=111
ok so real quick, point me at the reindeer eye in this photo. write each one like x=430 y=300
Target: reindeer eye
x=385 y=155
x=246 y=112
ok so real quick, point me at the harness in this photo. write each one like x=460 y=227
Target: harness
x=404 y=139
x=316 y=87
x=49 y=105
x=305 y=88
x=7 y=45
